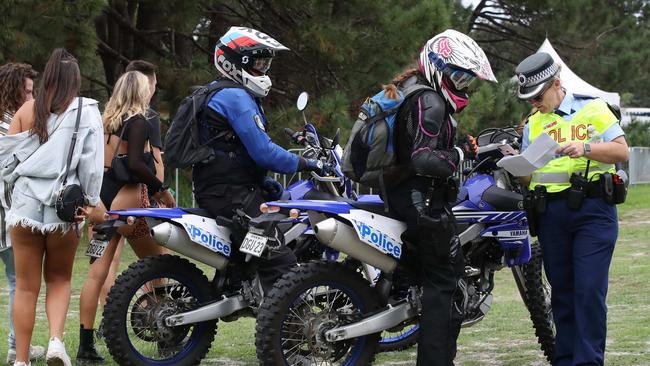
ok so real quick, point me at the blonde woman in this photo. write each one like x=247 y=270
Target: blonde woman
x=36 y=150
x=126 y=138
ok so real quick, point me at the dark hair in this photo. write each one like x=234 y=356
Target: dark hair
x=144 y=67
x=60 y=85
x=390 y=90
x=12 y=86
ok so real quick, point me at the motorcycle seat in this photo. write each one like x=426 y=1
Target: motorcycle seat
x=503 y=200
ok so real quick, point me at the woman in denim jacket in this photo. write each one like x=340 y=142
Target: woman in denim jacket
x=36 y=156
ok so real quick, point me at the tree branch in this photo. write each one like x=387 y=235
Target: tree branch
x=117 y=17
x=108 y=88
x=103 y=46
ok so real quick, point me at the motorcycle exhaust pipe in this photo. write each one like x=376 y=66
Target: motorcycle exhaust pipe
x=175 y=238
x=343 y=238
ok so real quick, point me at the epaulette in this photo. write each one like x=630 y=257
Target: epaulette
x=583 y=96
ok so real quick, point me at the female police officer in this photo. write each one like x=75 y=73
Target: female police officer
x=577 y=227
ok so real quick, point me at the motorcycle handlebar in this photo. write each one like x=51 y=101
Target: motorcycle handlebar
x=289 y=131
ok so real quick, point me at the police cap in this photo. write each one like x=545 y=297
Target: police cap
x=533 y=74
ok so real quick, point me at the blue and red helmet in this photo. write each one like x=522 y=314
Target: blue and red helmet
x=244 y=55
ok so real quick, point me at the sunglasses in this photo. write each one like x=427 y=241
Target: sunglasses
x=538 y=98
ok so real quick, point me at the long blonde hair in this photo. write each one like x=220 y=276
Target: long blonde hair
x=130 y=97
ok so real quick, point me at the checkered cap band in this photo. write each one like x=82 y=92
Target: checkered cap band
x=540 y=77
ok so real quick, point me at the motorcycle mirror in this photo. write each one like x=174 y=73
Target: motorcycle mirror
x=303 y=98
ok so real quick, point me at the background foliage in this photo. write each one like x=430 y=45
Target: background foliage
x=341 y=51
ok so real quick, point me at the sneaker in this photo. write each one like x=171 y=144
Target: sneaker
x=56 y=355
x=35 y=353
x=22 y=364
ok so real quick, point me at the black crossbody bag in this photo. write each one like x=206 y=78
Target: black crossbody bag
x=71 y=196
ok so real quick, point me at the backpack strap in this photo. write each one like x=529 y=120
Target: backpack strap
x=412 y=89
x=210 y=90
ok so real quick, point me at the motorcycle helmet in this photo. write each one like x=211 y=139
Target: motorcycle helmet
x=451 y=61
x=244 y=55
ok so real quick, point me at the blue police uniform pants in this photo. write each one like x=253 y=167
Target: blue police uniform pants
x=577 y=247
x=7 y=257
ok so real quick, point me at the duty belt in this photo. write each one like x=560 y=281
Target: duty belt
x=593 y=190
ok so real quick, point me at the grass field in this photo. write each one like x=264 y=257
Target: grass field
x=505 y=337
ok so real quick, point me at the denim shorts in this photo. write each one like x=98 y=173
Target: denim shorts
x=29 y=212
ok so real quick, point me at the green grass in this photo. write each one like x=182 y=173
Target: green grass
x=505 y=337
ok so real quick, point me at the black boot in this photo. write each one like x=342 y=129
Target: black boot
x=87 y=354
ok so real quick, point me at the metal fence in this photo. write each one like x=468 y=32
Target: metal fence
x=638 y=167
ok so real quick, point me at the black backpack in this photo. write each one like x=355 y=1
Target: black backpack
x=183 y=147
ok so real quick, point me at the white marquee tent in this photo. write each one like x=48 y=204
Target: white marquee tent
x=574 y=83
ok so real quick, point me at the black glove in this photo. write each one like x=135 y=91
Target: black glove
x=468 y=145
x=315 y=165
x=272 y=188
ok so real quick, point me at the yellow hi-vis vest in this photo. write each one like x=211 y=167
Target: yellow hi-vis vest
x=555 y=175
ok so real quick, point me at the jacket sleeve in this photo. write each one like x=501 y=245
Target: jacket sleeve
x=433 y=153
x=242 y=113
x=91 y=161
x=138 y=136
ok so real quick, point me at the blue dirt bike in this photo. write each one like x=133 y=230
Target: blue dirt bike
x=330 y=312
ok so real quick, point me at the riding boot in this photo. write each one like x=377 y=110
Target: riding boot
x=87 y=354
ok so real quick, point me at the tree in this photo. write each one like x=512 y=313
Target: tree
x=637 y=133
x=601 y=40
x=30 y=29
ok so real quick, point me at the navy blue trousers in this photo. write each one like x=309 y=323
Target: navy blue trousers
x=577 y=247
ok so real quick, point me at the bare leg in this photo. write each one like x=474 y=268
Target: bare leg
x=127 y=197
x=95 y=278
x=29 y=249
x=59 y=260
x=112 y=273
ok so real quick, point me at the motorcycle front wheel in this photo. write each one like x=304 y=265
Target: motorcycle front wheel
x=536 y=293
x=303 y=305
x=149 y=291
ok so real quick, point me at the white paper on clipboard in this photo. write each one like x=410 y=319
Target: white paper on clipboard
x=537 y=154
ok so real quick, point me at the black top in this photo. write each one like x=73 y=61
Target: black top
x=425 y=135
x=154 y=122
x=137 y=132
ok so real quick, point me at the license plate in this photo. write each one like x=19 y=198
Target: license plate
x=96 y=248
x=253 y=244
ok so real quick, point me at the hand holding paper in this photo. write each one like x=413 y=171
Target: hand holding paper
x=539 y=153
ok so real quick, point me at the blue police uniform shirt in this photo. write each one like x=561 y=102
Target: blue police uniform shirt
x=247 y=120
x=570 y=105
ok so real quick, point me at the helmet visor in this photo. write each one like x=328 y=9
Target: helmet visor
x=262 y=64
x=461 y=79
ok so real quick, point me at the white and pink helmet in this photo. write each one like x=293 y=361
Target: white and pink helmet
x=451 y=61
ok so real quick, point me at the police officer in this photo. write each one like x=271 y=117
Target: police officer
x=577 y=228
x=234 y=125
x=425 y=148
